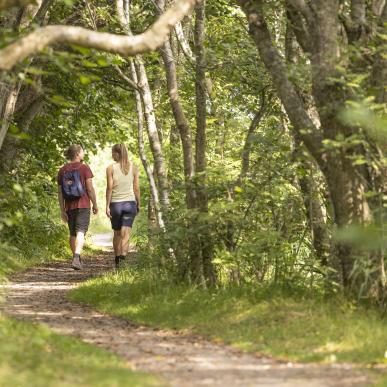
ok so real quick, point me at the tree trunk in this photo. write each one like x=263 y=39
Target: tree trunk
x=200 y=154
x=315 y=209
x=11 y=146
x=9 y=103
x=153 y=135
x=140 y=140
x=180 y=119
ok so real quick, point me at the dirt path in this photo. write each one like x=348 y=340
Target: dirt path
x=40 y=295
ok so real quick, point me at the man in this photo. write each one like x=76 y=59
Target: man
x=75 y=190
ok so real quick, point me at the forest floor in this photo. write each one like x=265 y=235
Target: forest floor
x=40 y=294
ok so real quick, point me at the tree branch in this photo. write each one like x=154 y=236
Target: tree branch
x=304 y=9
x=250 y=138
x=184 y=43
x=286 y=90
x=358 y=12
x=42 y=12
x=299 y=28
x=355 y=25
x=377 y=7
x=129 y=81
x=150 y=40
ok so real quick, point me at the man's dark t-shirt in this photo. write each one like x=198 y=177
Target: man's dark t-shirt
x=85 y=173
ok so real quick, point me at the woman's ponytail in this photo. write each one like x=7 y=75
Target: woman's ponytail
x=123 y=157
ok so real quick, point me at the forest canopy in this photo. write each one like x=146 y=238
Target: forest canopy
x=260 y=127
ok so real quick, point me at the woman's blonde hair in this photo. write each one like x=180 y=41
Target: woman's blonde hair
x=123 y=157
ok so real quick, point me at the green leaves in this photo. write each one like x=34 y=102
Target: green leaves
x=60 y=100
x=369 y=116
x=87 y=79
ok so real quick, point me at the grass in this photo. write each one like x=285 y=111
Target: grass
x=13 y=260
x=31 y=354
x=298 y=327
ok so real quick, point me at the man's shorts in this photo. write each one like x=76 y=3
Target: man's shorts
x=78 y=220
x=122 y=214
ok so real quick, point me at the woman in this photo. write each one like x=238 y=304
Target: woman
x=122 y=199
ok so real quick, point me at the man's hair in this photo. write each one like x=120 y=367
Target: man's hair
x=72 y=151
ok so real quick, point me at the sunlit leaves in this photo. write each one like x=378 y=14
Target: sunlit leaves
x=373 y=120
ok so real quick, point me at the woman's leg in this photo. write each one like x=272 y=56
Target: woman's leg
x=125 y=234
x=117 y=243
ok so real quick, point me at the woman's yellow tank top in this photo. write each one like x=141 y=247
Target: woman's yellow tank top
x=122 y=184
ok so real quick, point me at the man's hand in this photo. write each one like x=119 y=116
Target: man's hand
x=95 y=210
x=64 y=216
x=108 y=213
x=138 y=208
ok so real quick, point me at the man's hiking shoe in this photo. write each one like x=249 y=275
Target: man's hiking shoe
x=77 y=264
x=122 y=257
x=117 y=261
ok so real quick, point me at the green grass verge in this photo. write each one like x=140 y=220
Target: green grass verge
x=32 y=355
x=13 y=260
x=298 y=327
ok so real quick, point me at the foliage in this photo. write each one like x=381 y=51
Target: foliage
x=31 y=228
x=32 y=354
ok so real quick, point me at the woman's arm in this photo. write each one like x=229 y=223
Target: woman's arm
x=109 y=188
x=136 y=186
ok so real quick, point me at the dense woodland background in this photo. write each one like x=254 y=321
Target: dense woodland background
x=260 y=125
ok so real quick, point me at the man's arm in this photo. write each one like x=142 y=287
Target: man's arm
x=109 y=189
x=91 y=193
x=63 y=213
x=136 y=187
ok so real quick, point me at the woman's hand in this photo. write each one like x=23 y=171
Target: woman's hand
x=108 y=213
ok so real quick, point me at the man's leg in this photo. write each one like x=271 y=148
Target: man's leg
x=71 y=224
x=81 y=226
x=72 y=243
x=79 y=242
